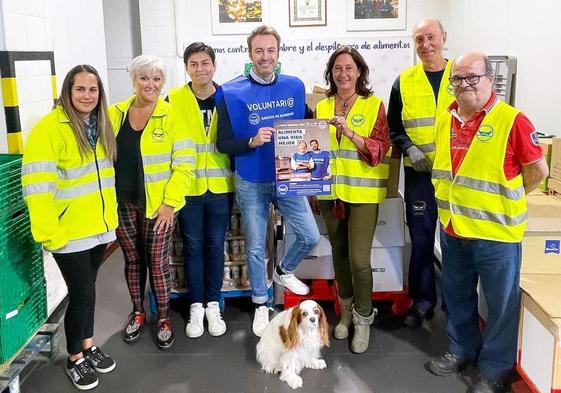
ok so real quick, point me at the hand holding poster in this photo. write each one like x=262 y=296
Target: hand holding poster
x=302 y=157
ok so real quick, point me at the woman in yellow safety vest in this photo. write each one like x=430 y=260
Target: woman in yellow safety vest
x=153 y=173
x=359 y=168
x=69 y=186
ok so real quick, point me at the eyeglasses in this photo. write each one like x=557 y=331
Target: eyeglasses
x=470 y=79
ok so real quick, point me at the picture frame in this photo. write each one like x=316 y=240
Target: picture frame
x=306 y=13
x=230 y=17
x=371 y=15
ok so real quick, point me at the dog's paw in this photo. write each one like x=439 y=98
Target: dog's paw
x=317 y=364
x=292 y=380
x=268 y=370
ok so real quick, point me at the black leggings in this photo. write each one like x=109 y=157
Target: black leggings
x=79 y=270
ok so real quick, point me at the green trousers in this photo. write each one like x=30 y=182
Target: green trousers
x=351 y=245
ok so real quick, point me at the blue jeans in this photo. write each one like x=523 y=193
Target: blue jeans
x=203 y=222
x=421 y=213
x=497 y=265
x=254 y=200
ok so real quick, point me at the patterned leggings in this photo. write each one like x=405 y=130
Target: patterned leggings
x=145 y=251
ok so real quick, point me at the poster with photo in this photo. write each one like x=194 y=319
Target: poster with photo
x=302 y=162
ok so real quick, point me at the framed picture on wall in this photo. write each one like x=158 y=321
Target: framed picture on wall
x=307 y=13
x=238 y=16
x=367 y=15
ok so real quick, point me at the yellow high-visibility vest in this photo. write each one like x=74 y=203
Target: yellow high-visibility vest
x=479 y=201
x=213 y=168
x=69 y=198
x=420 y=107
x=168 y=155
x=354 y=180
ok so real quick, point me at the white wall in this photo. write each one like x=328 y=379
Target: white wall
x=123 y=41
x=192 y=18
x=529 y=31
x=73 y=29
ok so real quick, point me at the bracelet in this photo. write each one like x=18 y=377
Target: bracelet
x=352 y=136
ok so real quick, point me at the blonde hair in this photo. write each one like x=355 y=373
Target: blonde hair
x=106 y=135
x=146 y=64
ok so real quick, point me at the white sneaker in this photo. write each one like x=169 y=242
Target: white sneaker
x=290 y=281
x=195 y=326
x=216 y=325
x=260 y=320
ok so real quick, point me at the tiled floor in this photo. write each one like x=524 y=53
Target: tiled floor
x=393 y=364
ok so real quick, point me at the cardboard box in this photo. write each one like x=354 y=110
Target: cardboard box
x=387 y=265
x=540 y=253
x=554 y=186
x=544 y=213
x=390 y=227
x=539 y=348
x=393 y=179
x=313 y=98
x=546 y=144
x=555 y=166
x=387 y=269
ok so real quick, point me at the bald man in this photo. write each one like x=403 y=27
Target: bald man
x=487 y=158
x=418 y=95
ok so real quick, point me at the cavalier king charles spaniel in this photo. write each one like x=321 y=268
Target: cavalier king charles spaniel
x=292 y=341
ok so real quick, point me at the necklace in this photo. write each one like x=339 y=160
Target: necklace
x=345 y=103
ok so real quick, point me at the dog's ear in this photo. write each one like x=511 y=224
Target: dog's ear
x=290 y=337
x=323 y=327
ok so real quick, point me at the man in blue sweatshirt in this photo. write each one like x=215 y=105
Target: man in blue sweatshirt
x=247 y=108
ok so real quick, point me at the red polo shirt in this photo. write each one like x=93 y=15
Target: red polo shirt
x=523 y=146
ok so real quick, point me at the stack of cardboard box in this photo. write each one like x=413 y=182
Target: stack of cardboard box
x=554 y=183
x=386 y=255
x=539 y=342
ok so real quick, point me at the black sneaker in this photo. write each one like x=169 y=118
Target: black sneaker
x=164 y=334
x=415 y=317
x=99 y=360
x=485 y=386
x=134 y=327
x=81 y=374
x=446 y=365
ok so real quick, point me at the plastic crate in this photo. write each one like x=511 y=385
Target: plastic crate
x=10 y=182
x=20 y=278
x=16 y=241
x=19 y=324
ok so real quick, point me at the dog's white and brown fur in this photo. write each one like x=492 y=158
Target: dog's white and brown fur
x=292 y=341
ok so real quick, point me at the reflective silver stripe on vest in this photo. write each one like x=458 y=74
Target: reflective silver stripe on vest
x=39 y=188
x=84 y=189
x=39 y=166
x=182 y=160
x=155 y=177
x=156 y=159
x=419 y=122
x=218 y=172
x=205 y=148
x=76 y=173
x=427 y=147
x=441 y=174
x=349 y=154
x=442 y=204
x=361 y=182
x=479 y=214
x=183 y=144
x=352 y=155
x=491 y=187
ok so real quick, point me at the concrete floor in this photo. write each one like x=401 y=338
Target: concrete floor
x=394 y=362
